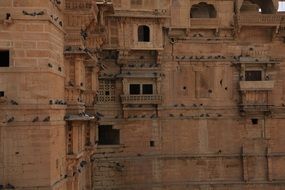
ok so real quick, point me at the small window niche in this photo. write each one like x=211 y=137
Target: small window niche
x=143 y=33
x=134 y=89
x=254 y=121
x=108 y=136
x=4 y=58
x=151 y=143
x=2 y=93
x=253 y=75
x=147 y=89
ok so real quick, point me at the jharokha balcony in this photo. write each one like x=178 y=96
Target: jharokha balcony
x=141 y=99
x=255 y=95
x=270 y=20
x=204 y=23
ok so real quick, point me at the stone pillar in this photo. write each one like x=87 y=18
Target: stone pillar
x=197 y=84
x=244 y=165
x=269 y=164
x=94 y=79
x=78 y=67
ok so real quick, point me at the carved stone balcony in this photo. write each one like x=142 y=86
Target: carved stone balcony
x=270 y=20
x=141 y=99
x=78 y=5
x=256 y=85
x=204 y=23
x=255 y=95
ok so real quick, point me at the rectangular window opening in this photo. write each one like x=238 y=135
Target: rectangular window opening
x=147 y=89
x=134 y=89
x=253 y=75
x=4 y=58
x=2 y=93
x=108 y=135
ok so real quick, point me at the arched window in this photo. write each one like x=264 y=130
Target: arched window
x=203 y=10
x=143 y=33
x=255 y=6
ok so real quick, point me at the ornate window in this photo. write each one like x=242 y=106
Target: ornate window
x=136 y=89
x=253 y=75
x=106 y=90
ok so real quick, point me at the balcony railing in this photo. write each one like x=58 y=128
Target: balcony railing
x=259 y=20
x=104 y=2
x=141 y=99
x=78 y=5
x=255 y=95
x=256 y=85
x=207 y=23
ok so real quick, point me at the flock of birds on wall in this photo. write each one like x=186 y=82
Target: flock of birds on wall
x=54 y=18
x=99 y=115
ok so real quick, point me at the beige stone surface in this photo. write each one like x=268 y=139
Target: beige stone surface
x=142 y=94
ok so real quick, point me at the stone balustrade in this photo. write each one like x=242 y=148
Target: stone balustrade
x=259 y=20
x=141 y=99
x=208 y=23
x=78 y=5
x=256 y=85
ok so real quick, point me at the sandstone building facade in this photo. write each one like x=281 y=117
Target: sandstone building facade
x=142 y=94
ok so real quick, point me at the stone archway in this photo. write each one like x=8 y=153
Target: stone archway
x=266 y=6
x=203 y=10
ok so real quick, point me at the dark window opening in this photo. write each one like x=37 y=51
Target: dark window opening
x=258 y=6
x=253 y=75
x=147 y=89
x=143 y=34
x=134 y=89
x=4 y=58
x=2 y=93
x=107 y=93
x=151 y=143
x=254 y=121
x=203 y=10
x=108 y=135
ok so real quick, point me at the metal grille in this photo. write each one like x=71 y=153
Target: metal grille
x=253 y=75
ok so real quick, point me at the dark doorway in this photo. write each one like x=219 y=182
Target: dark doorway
x=108 y=135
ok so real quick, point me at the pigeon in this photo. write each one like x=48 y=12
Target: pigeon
x=14 y=102
x=36 y=119
x=11 y=120
x=47 y=119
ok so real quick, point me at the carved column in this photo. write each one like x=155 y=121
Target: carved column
x=78 y=67
x=94 y=78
